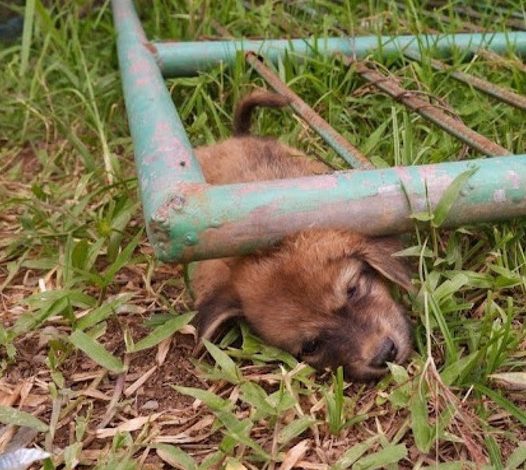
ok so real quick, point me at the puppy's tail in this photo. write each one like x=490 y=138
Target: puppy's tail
x=245 y=107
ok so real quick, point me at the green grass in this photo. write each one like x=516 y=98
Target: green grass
x=89 y=368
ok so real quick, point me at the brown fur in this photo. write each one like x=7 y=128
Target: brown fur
x=320 y=294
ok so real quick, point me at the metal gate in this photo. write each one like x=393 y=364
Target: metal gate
x=188 y=219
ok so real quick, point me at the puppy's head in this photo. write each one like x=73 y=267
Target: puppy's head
x=324 y=297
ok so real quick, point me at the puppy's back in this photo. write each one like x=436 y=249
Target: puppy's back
x=245 y=158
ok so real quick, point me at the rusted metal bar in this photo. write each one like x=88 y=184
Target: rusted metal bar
x=472 y=13
x=470 y=27
x=467 y=26
x=500 y=60
x=224 y=32
x=485 y=53
x=340 y=144
x=502 y=94
x=428 y=111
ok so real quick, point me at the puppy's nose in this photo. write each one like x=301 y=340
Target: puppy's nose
x=386 y=353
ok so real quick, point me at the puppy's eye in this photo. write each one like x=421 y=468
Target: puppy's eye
x=310 y=347
x=351 y=292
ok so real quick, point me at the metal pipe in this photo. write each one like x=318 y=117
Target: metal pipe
x=188 y=58
x=215 y=221
x=340 y=144
x=453 y=126
x=498 y=92
x=163 y=154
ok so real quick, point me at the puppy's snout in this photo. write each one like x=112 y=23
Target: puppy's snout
x=386 y=353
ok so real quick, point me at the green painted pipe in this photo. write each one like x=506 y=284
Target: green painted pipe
x=163 y=154
x=215 y=221
x=188 y=58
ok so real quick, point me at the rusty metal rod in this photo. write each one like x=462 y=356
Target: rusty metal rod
x=427 y=110
x=500 y=60
x=502 y=94
x=340 y=144
x=472 y=13
x=482 y=52
x=469 y=27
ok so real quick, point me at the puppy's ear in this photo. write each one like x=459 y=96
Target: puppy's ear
x=216 y=309
x=378 y=253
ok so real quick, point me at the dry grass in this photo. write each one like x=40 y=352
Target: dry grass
x=80 y=289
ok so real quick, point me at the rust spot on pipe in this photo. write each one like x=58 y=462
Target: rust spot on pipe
x=427 y=110
x=340 y=144
x=151 y=47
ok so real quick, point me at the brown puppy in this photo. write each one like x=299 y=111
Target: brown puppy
x=321 y=295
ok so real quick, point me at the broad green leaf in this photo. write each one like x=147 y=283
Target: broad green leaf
x=123 y=258
x=211 y=400
x=71 y=454
x=494 y=452
x=399 y=395
x=511 y=408
x=102 y=312
x=415 y=251
x=450 y=287
x=451 y=373
x=295 y=428
x=422 y=216
x=213 y=461
x=517 y=458
x=354 y=453
x=223 y=360
x=94 y=350
x=240 y=431
x=281 y=400
x=27 y=35
x=387 y=456
x=175 y=457
x=399 y=373
x=374 y=138
x=234 y=464
x=450 y=196
x=438 y=314
x=253 y=394
x=9 y=415
x=163 y=331
x=422 y=430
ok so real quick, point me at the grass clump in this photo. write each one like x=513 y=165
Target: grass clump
x=90 y=367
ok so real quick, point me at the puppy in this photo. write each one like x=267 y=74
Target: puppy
x=322 y=295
